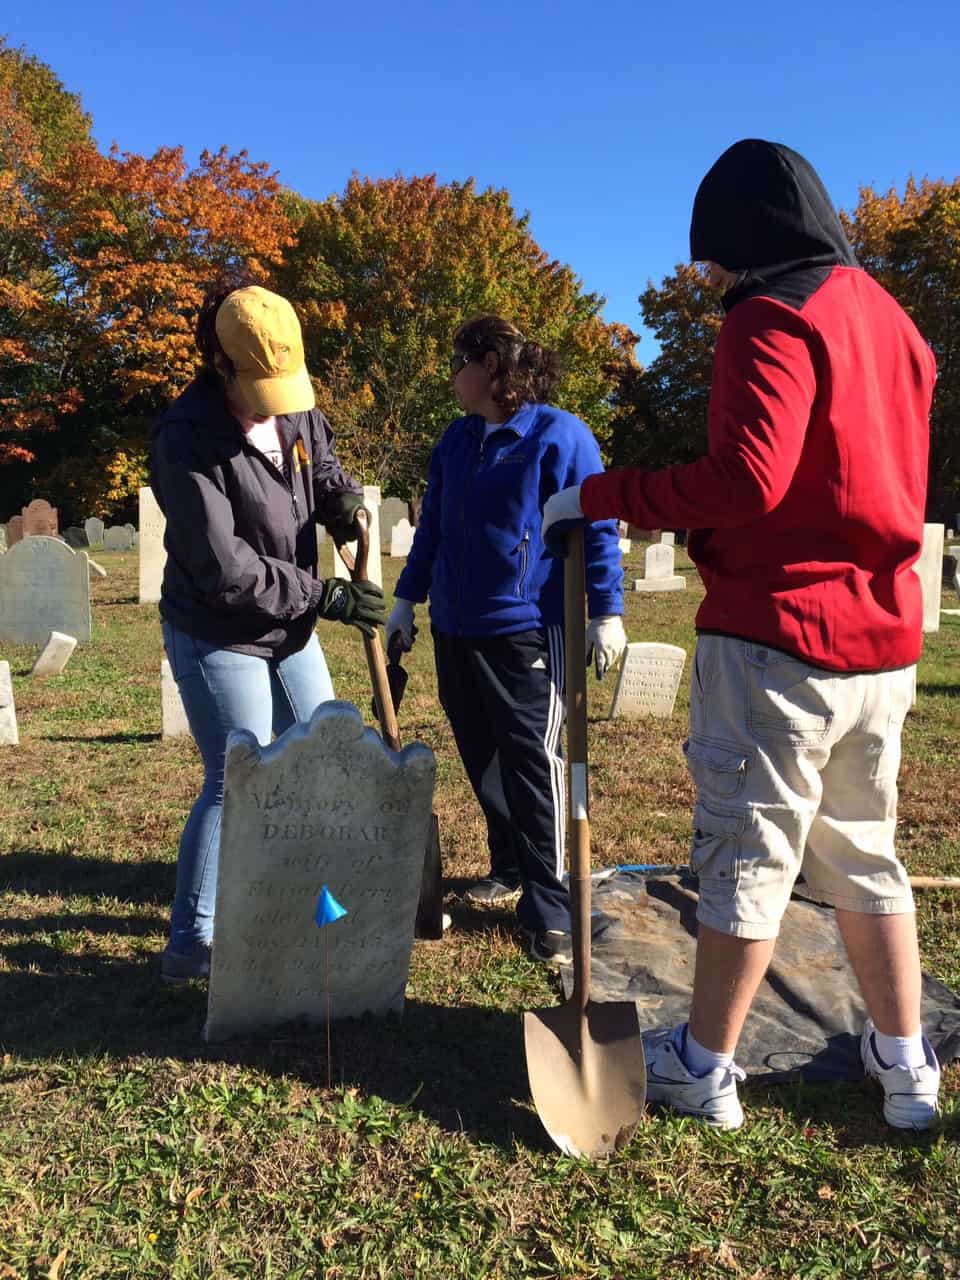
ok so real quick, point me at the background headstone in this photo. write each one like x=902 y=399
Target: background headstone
x=326 y=805
x=8 y=712
x=648 y=681
x=153 y=556
x=75 y=537
x=173 y=718
x=401 y=538
x=40 y=519
x=625 y=546
x=371 y=500
x=3 y=537
x=14 y=530
x=44 y=587
x=929 y=569
x=55 y=655
x=94 y=529
x=118 y=537
x=658 y=562
x=668 y=538
x=392 y=511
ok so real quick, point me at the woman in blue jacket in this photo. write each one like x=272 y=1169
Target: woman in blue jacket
x=496 y=609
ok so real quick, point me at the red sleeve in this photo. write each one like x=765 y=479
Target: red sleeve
x=762 y=393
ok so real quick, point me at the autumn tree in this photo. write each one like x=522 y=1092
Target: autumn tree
x=384 y=274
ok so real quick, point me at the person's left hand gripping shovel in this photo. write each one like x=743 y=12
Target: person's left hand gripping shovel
x=430 y=908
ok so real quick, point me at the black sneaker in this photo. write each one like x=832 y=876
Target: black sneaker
x=177 y=969
x=491 y=890
x=551 y=946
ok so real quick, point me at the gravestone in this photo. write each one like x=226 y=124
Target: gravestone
x=668 y=538
x=3 y=537
x=625 y=546
x=14 y=530
x=327 y=804
x=118 y=537
x=929 y=570
x=44 y=587
x=75 y=537
x=658 y=560
x=648 y=681
x=40 y=519
x=371 y=500
x=8 y=712
x=93 y=527
x=153 y=556
x=173 y=718
x=55 y=656
x=392 y=511
x=401 y=539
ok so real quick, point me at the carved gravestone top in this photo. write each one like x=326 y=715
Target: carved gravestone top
x=44 y=587
x=658 y=560
x=648 y=681
x=14 y=530
x=327 y=804
x=40 y=519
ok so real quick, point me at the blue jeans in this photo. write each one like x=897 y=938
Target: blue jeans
x=222 y=690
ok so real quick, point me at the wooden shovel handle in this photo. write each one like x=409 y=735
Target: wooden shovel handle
x=357 y=565
x=575 y=669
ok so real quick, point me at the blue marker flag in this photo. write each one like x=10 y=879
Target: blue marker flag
x=328 y=908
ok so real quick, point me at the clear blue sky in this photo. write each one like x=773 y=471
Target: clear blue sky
x=599 y=120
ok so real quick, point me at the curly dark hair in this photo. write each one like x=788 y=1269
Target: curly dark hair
x=525 y=370
x=215 y=360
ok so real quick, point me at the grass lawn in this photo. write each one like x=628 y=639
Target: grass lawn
x=130 y=1149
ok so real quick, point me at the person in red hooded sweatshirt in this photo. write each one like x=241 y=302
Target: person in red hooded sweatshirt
x=806 y=517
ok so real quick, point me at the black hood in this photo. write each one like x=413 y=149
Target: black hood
x=763 y=210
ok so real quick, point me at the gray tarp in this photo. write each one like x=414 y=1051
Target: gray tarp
x=807 y=1017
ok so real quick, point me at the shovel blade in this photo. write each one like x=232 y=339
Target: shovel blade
x=587 y=1074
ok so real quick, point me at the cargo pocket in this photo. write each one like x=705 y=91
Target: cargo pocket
x=715 y=852
x=786 y=699
x=719 y=768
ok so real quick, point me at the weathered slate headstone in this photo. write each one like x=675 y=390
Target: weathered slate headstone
x=928 y=570
x=14 y=530
x=173 y=718
x=118 y=537
x=648 y=681
x=40 y=519
x=392 y=511
x=8 y=712
x=54 y=656
x=44 y=587
x=153 y=556
x=329 y=805
x=371 y=500
x=75 y=537
x=94 y=530
x=658 y=561
x=401 y=538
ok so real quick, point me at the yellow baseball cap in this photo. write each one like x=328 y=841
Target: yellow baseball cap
x=260 y=333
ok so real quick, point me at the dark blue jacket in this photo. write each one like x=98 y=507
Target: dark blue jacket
x=478 y=551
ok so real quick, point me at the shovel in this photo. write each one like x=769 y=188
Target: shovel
x=429 y=922
x=585 y=1059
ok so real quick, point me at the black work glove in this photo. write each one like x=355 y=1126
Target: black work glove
x=358 y=604
x=342 y=508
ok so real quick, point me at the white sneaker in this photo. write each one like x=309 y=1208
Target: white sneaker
x=712 y=1097
x=910 y=1094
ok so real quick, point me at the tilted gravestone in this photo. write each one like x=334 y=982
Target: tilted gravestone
x=648 y=681
x=118 y=537
x=173 y=717
x=40 y=520
x=401 y=538
x=658 y=561
x=371 y=500
x=75 y=537
x=94 y=529
x=153 y=556
x=929 y=570
x=55 y=656
x=392 y=511
x=14 y=530
x=8 y=712
x=44 y=587
x=327 y=804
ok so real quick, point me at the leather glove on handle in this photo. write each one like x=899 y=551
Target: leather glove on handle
x=342 y=508
x=358 y=604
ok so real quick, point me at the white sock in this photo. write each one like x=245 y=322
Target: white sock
x=698 y=1060
x=900 y=1051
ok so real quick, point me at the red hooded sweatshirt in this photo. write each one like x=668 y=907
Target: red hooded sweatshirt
x=806 y=515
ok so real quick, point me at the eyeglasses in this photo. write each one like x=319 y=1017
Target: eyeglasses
x=457 y=361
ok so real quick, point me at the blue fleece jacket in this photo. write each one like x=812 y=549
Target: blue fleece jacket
x=478 y=551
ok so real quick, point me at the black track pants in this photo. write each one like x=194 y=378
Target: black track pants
x=503 y=696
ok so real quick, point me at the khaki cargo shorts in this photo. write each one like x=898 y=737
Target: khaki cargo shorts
x=796 y=771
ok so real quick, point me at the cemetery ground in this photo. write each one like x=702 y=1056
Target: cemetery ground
x=129 y=1148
